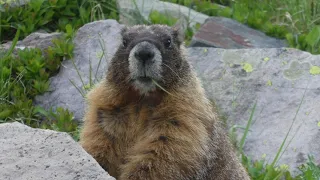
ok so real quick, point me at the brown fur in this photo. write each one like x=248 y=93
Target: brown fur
x=158 y=136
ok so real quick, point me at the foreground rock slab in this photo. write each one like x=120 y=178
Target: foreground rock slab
x=27 y=153
x=226 y=33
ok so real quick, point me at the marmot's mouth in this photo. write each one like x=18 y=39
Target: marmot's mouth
x=144 y=79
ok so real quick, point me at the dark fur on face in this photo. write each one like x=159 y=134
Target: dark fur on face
x=167 y=68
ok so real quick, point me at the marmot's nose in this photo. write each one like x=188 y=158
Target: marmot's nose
x=144 y=55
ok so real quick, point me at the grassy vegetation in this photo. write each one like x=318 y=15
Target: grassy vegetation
x=262 y=170
x=25 y=74
x=296 y=21
x=52 y=15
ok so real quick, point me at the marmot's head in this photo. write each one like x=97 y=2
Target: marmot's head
x=149 y=55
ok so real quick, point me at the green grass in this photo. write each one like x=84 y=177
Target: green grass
x=52 y=15
x=26 y=74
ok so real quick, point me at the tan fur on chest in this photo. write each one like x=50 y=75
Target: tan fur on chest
x=131 y=125
x=159 y=137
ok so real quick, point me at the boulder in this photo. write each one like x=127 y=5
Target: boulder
x=277 y=78
x=226 y=33
x=135 y=12
x=41 y=40
x=28 y=153
x=15 y=3
x=94 y=43
x=285 y=85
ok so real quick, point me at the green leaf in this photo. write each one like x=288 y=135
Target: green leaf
x=15 y=40
x=36 y=4
x=69 y=29
x=314 y=36
x=5 y=113
x=40 y=110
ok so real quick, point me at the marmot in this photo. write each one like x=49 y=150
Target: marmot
x=149 y=119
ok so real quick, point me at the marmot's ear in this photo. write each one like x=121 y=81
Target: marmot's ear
x=178 y=31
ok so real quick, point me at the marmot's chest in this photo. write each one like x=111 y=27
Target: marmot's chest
x=128 y=123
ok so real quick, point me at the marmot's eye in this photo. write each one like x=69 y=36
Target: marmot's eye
x=168 y=43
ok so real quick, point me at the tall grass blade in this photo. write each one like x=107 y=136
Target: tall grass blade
x=90 y=73
x=14 y=42
x=247 y=128
x=162 y=88
x=102 y=55
x=78 y=72
x=285 y=139
x=79 y=90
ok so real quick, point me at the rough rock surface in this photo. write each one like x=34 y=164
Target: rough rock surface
x=130 y=12
x=39 y=40
x=278 y=81
x=34 y=154
x=35 y=40
x=15 y=3
x=226 y=33
x=94 y=43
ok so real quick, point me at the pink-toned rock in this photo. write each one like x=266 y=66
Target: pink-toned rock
x=226 y=33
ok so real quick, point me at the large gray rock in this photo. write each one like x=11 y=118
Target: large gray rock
x=39 y=40
x=226 y=33
x=15 y=3
x=94 y=43
x=132 y=12
x=276 y=78
x=279 y=80
x=34 y=154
